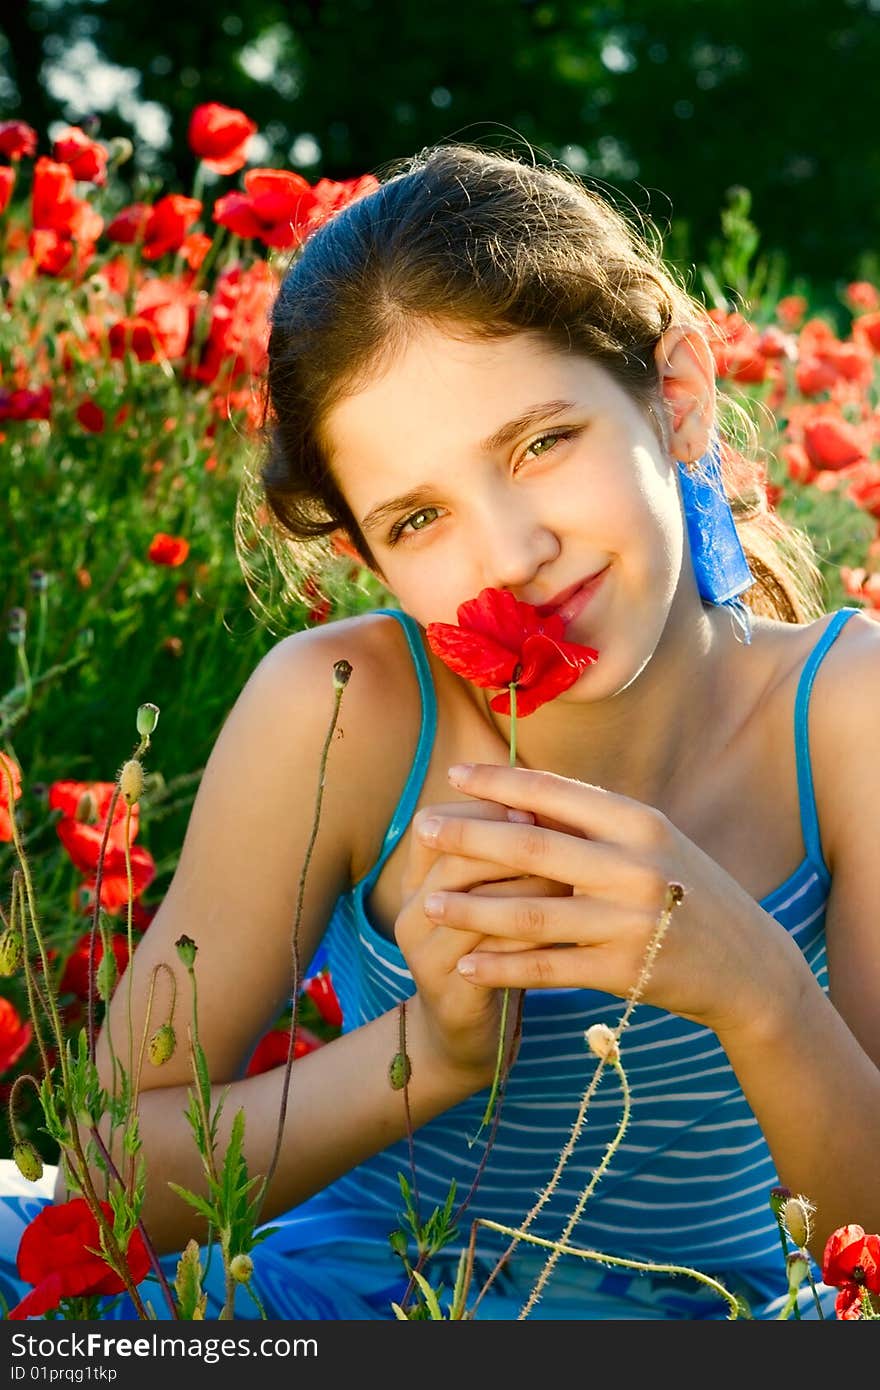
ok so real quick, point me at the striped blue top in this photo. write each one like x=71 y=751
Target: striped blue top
x=690 y=1181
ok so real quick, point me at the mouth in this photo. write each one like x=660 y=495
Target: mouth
x=572 y=600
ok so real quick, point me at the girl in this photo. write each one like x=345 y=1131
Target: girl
x=481 y=377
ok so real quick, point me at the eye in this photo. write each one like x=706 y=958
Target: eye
x=399 y=527
x=550 y=440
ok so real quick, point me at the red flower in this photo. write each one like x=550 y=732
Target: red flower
x=86 y=158
x=271 y=1050
x=168 y=550
x=114 y=880
x=7 y=764
x=333 y=197
x=500 y=641
x=861 y=294
x=832 y=443
x=851 y=1262
x=218 y=135
x=322 y=994
x=790 y=311
x=14 y=1035
x=91 y=417
x=86 y=804
x=7 y=183
x=55 y=1256
x=277 y=206
x=129 y=224
x=75 y=979
x=26 y=405
x=168 y=223
x=17 y=139
x=53 y=204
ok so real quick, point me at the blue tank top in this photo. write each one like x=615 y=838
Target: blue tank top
x=689 y=1184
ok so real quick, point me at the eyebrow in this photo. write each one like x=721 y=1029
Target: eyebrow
x=545 y=410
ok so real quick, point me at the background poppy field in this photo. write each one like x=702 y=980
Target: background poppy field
x=134 y=289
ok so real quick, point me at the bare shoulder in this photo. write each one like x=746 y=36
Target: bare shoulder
x=265 y=857
x=845 y=748
x=379 y=718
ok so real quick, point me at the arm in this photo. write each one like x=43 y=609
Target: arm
x=235 y=892
x=811 y=1067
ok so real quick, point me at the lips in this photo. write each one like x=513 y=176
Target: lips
x=544 y=610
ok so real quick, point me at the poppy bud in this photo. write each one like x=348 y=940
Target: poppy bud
x=28 y=1161
x=398 y=1242
x=400 y=1071
x=131 y=781
x=241 y=1267
x=602 y=1040
x=161 y=1045
x=39 y=581
x=778 y=1198
x=797 y=1267
x=105 y=975
x=341 y=674
x=186 y=949
x=147 y=719
x=16 y=620
x=10 y=951
x=87 y=809
x=796 y=1215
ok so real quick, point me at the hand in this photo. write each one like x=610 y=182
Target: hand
x=461 y=1020
x=617 y=857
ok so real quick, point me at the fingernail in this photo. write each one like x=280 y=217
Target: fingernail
x=460 y=773
x=466 y=966
x=429 y=830
x=434 y=905
x=523 y=817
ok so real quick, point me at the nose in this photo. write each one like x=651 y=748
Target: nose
x=515 y=543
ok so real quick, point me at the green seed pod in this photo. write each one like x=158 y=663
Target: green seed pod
x=147 y=719
x=10 y=951
x=399 y=1071
x=161 y=1045
x=797 y=1267
x=28 y=1161
x=241 y=1267
x=186 y=949
x=398 y=1242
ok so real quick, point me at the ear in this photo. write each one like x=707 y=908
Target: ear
x=686 y=370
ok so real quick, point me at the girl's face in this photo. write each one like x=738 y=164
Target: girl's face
x=513 y=465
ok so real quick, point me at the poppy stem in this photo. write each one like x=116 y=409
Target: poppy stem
x=505 y=998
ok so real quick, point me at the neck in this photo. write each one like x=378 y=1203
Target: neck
x=652 y=738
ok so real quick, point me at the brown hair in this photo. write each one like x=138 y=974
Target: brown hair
x=484 y=241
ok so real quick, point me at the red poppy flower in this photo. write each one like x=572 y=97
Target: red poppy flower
x=500 y=641
x=5 y=809
x=322 y=994
x=861 y=294
x=17 y=139
x=14 y=1035
x=86 y=804
x=86 y=158
x=114 y=879
x=7 y=183
x=218 y=135
x=91 y=417
x=851 y=1262
x=168 y=550
x=168 y=224
x=332 y=196
x=271 y=1050
x=129 y=224
x=52 y=199
x=26 y=405
x=832 y=443
x=277 y=206
x=75 y=979
x=55 y=1256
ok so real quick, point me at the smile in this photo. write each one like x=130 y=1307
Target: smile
x=576 y=600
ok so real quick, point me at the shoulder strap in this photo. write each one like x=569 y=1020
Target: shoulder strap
x=409 y=796
x=806 y=794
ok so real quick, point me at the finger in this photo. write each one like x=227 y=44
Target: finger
x=535 y=921
x=601 y=869
x=421 y=856
x=536 y=969
x=594 y=811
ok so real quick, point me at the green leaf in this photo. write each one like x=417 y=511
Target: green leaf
x=430 y=1297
